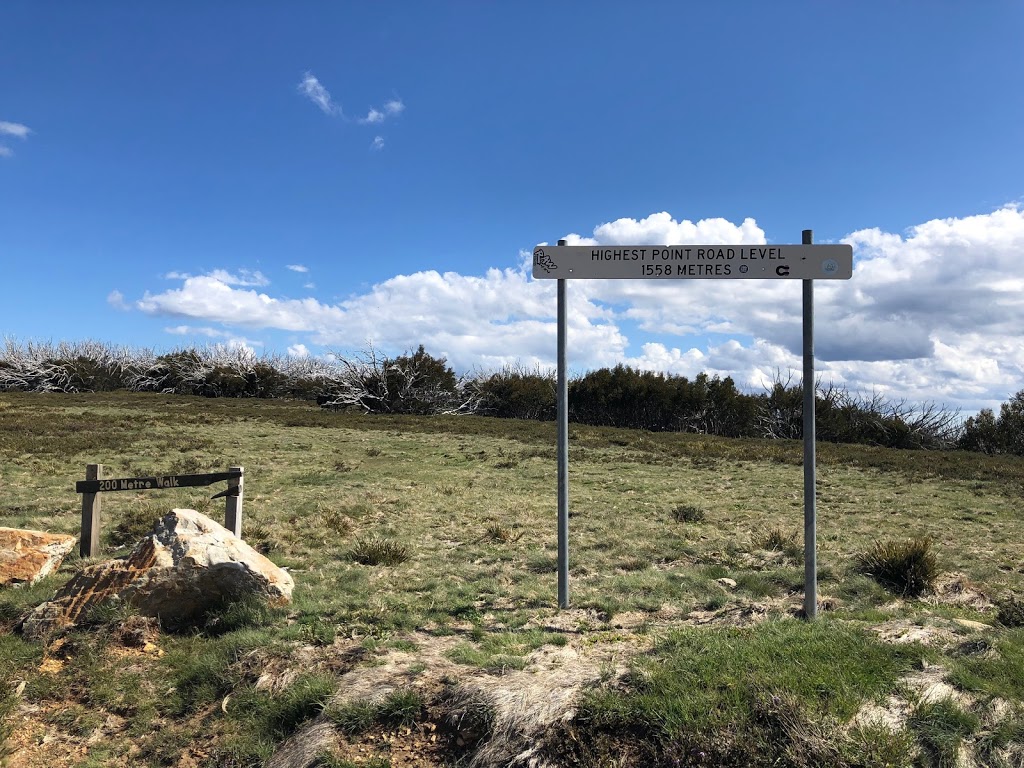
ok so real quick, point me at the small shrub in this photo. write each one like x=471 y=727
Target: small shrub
x=908 y=568
x=1011 y=612
x=688 y=513
x=379 y=552
x=373 y=452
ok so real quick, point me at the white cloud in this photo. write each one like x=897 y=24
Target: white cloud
x=6 y=151
x=116 y=299
x=14 y=129
x=310 y=286
x=391 y=109
x=245 y=277
x=378 y=142
x=297 y=268
x=298 y=350
x=311 y=88
x=933 y=314
x=191 y=330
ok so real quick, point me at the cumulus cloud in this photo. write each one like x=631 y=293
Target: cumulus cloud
x=311 y=88
x=932 y=314
x=298 y=268
x=298 y=350
x=378 y=142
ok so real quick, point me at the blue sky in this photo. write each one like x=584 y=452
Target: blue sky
x=305 y=178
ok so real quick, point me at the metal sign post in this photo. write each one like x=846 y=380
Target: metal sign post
x=810 y=461
x=563 y=453
x=806 y=262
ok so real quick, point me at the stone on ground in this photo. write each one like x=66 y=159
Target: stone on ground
x=28 y=556
x=187 y=566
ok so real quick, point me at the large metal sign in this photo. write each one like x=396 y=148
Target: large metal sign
x=766 y=262
x=806 y=262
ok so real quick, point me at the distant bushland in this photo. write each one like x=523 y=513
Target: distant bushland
x=418 y=383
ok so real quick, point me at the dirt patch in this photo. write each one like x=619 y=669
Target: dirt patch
x=958 y=590
x=503 y=719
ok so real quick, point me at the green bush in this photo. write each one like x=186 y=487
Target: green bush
x=514 y=393
x=908 y=568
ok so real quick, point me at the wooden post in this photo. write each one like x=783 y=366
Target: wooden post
x=89 y=543
x=233 y=504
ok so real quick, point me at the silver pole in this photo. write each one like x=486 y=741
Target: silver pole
x=563 y=453
x=810 y=500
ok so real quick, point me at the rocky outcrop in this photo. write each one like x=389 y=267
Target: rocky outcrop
x=28 y=556
x=187 y=566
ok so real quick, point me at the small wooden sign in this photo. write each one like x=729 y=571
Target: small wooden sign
x=95 y=483
x=153 y=483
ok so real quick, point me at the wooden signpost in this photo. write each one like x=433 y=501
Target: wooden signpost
x=95 y=484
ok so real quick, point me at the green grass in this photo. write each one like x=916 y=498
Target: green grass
x=400 y=708
x=744 y=696
x=479 y=562
x=997 y=672
x=941 y=727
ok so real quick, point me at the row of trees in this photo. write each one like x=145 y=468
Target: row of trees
x=419 y=383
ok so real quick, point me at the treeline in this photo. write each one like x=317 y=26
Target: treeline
x=419 y=383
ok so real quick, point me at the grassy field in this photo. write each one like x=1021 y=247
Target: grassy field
x=686 y=576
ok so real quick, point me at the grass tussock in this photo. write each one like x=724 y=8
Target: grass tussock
x=688 y=513
x=907 y=568
x=777 y=540
x=379 y=552
x=400 y=708
x=1010 y=611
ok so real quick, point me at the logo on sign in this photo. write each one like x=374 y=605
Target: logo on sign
x=829 y=266
x=542 y=260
